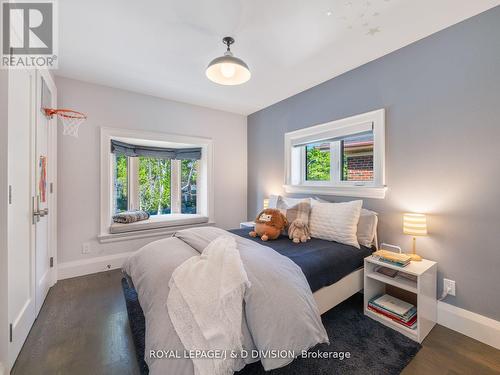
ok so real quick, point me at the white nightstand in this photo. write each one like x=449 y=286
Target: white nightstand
x=421 y=293
x=247 y=224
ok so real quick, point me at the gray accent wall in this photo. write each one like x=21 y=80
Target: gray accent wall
x=442 y=101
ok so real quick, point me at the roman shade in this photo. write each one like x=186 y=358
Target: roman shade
x=330 y=135
x=128 y=149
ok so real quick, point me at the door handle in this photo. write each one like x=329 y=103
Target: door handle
x=36 y=213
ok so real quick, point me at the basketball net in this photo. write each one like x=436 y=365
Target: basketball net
x=71 y=120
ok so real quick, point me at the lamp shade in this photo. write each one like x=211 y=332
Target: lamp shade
x=266 y=203
x=415 y=224
x=228 y=70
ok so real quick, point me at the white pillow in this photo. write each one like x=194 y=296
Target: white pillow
x=276 y=200
x=336 y=221
x=367 y=227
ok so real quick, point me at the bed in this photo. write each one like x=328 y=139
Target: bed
x=292 y=285
x=333 y=271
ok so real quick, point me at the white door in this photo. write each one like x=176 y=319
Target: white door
x=44 y=250
x=21 y=254
x=31 y=227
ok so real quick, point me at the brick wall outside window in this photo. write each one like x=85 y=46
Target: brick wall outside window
x=360 y=168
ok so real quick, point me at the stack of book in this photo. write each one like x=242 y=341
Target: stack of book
x=390 y=257
x=399 y=311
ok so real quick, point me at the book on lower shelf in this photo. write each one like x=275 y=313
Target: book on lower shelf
x=395 y=309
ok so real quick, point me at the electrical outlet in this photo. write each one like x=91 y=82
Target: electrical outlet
x=85 y=248
x=450 y=285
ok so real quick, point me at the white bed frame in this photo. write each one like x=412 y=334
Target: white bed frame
x=331 y=295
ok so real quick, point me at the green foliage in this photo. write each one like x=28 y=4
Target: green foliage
x=317 y=163
x=189 y=175
x=121 y=182
x=154 y=185
x=345 y=169
x=154 y=178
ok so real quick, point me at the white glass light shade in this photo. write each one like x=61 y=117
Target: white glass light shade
x=228 y=70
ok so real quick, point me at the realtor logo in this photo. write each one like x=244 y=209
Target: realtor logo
x=28 y=34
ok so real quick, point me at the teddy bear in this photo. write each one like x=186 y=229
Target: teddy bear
x=299 y=231
x=269 y=224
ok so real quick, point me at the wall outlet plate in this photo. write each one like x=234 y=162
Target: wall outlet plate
x=85 y=248
x=449 y=285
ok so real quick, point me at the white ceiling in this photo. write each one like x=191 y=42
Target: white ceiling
x=162 y=47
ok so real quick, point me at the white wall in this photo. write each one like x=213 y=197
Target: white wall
x=78 y=159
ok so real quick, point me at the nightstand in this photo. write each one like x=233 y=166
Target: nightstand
x=421 y=293
x=247 y=224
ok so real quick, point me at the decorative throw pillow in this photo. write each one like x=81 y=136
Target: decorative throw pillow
x=296 y=210
x=336 y=221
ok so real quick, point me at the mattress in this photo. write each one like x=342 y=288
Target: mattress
x=322 y=262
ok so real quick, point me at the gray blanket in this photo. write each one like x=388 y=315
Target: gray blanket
x=280 y=311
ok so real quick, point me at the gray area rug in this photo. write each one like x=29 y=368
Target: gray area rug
x=372 y=347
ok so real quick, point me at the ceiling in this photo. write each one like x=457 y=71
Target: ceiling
x=162 y=47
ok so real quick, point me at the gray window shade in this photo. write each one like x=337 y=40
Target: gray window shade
x=128 y=149
x=333 y=134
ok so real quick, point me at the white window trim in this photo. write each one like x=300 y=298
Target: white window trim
x=205 y=192
x=295 y=180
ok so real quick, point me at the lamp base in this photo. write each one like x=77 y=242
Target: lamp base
x=415 y=257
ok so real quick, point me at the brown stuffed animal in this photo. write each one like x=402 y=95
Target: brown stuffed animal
x=269 y=224
x=299 y=231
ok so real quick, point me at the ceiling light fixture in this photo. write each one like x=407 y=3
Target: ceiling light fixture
x=227 y=69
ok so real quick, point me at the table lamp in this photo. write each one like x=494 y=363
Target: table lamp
x=415 y=225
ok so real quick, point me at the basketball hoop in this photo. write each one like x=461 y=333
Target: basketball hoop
x=71 y=120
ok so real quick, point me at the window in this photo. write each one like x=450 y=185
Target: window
x=344 y=157
x=168 y=176
x=357 y=157
x=154 y=175
x=317 y=163
x=159 y=186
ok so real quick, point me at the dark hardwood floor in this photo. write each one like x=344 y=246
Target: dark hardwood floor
x=83 y=329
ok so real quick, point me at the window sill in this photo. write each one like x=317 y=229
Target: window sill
x=345 y=191
x=160 y=225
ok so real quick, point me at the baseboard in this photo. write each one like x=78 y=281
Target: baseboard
x=479 y=327
x=82 y=267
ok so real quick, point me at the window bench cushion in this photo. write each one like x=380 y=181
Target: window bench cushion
x=159 y=221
